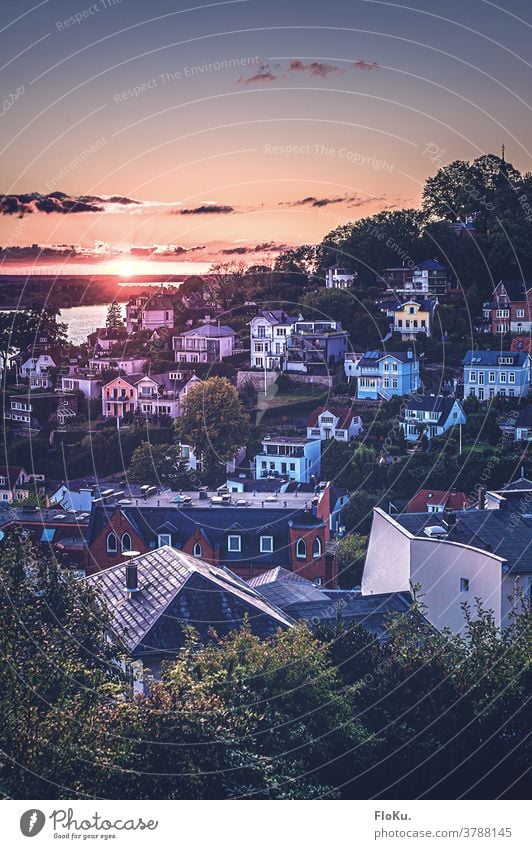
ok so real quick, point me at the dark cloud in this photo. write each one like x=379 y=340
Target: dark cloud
x=62 y=203
x=315 y=69
x=264 y=247
x=207 y=209
x=265 y=75
x=350 y=200
x=362 y=65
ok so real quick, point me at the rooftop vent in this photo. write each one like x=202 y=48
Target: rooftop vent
x=435 y=531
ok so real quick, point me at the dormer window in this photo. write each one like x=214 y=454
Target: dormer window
x=125 y=542
x=197 y=551
x=164 y=539
x=234 y=542
x=266 y=544
x=111 y=544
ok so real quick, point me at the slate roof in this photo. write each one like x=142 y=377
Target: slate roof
x=491 y=358
x=488 y=530
x=369 y=611
x=176 y=590
x=277 y=317
x=158 y=302
x=430 y=265
x=432 y=404
x=210 y=330
x=519 y=484
x=516 y=289
x=215 y=525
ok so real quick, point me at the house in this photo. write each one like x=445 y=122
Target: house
x=248 y=538
x=412 y=317
x=351 y=361
x=510 y=309
x=339 y=423
x=154 y=597
x=339 y=278
x=103 y=339
x=268 y=333
x=427 y=278
x=293 y=456
x=315 y=347
x=490 y=373
x=382 y=375
x=454 y=558
x=430 y=415
x=149 y=312
x=520 y=428
x=81 y=380
x=76 y=494
x=56 y=532
x=128 y=365
x=146 y=395
x=39 y=364
x=28 y=413
x=436 y=501
x=16 y=484
x=210 y=343
x=305 y=602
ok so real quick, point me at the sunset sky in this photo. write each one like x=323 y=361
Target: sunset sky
x=244 y=126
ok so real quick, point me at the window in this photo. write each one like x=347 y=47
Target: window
x=520 y=313
x=125 y=542
x=266 y=545
x=316 y=547
x=112 y=545
x=234 y=542
x=472 y=376
x=301 y=549
x=511 y=377
x=502 y=377
x=491 y=377
x=197 y=551
x=464 y=585
x=164 y=539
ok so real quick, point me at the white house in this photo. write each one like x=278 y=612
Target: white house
x=454 y=557
x=129 y=365
x=289 y=456
x=40 y=365
x=269 y=331
x=82 y=380
x=339 y=423
x=149 y=312
x=430 y=415
x=339 y=278
x=209 y=343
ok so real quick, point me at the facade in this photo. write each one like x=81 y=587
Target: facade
x=315 y=347
x=428 y=278
x=268 y=334
x=149 y=312
x=457 y=558
x=209 y=343
x=334 y=423
x=16 y=484
x=490 y=373
x=289 y=456
x=520 y=429
x=431 y=415
x=351 y=361
x=54 y=532
x=510 y=309
x=39 y=365
x=103 y=339
x=382 y=375
x=413 y=317
x=339 y=278
x=28 y=413
x=129 y=365
x=81 y=380
x=146 y=395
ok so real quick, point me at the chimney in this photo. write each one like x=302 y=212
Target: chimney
x=481 y=497
x=449 y=519
x=132 y=579
x=410 y=354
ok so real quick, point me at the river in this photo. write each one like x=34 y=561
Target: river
x=83 y=320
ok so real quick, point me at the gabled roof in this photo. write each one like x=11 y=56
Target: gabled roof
x=371 y=358
x=158 y=302
x=371 y=612
x=10 y=473
x=520 y=484
x=430 y=265
x=444 y=498
x=491 y=358
x=277 y=317
x=425 y=306
x=212 y=331
x=345 y=416
x=177 y=590
x=442 y=404
x=515 y=289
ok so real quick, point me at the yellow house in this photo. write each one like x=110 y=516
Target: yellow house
x=413 y=317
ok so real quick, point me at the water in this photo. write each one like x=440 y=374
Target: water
x=84 y=320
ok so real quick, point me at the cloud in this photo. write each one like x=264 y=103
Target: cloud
x=350 y=200
x=263 y=75
x=315 y=69
x=207 y=209
x=63 y=204
x=264 y=247
x=362 y=65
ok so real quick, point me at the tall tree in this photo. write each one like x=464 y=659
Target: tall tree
x=114 y=319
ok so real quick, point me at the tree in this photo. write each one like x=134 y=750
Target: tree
x=114 y=320
x=214 y=423
x=158 y=464
x=22 y=329
x=57 y=664
x=226 y=283
x=351 y=556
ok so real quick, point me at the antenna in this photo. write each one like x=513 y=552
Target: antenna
x=503 y=149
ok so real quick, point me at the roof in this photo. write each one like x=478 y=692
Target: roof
x=277 y=574
x=158 y=302
x=211 y=330
x=177 y=590
x=371 y=612
x=491 y=358
x=424 y=305
x=277 y=317
x=519 y=485
x=370 y=358
x=450 y=499
x=488 y=530
x=442 y=404
x=345 y=415
x=430 y=265
x=11 y=474
x=516 y=289
x=524 y=419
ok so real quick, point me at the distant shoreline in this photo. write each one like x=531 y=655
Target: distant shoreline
x=63 y=291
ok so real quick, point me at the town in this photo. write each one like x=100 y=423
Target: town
x=337 y=441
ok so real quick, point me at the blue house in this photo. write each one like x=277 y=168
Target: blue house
x=490 y=373
x=385 y=374
x=431 y=415
x=289 y=456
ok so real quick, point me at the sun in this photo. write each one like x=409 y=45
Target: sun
x=126 y=269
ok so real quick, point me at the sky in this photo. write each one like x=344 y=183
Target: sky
x=233 y=129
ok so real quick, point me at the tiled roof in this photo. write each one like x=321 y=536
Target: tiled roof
x=345 y=415
x=445 y=498
x=489 y=530
x=176 y=590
